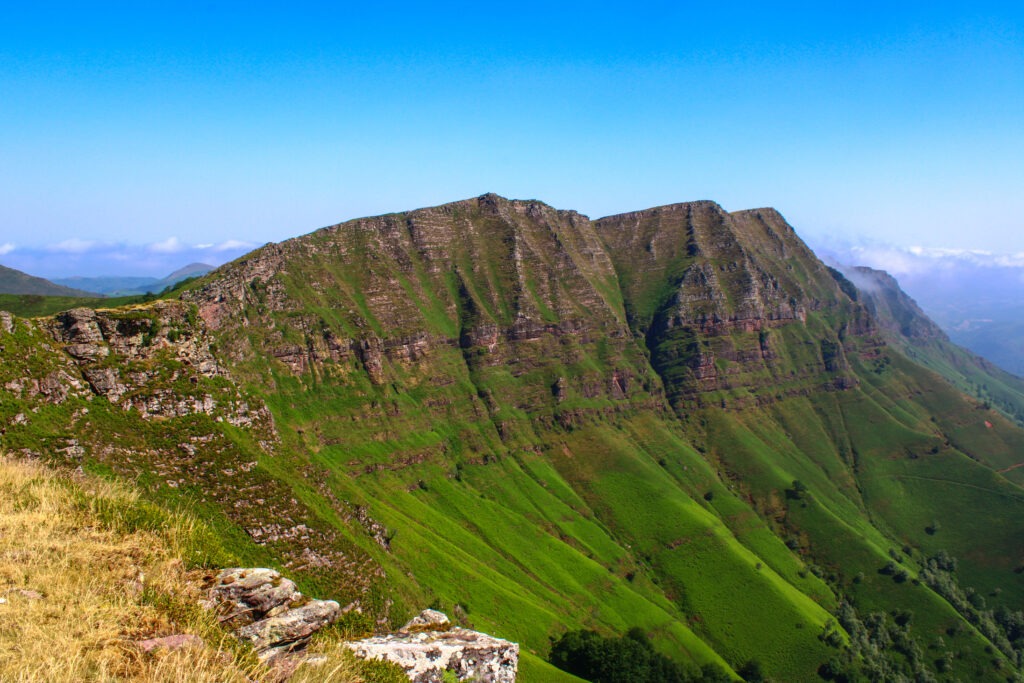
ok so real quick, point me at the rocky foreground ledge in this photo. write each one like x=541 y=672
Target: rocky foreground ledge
x=266 y=610
x=429 y=645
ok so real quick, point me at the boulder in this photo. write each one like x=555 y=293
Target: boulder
x=242 y=596
x=289 y=630
x=267 y=611
x=428 y=646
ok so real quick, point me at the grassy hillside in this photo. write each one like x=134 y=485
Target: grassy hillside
x=676 y=420
x=88 y=568
x=33 y=305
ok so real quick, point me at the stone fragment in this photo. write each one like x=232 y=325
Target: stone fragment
x=6 y=322
x=176 y=642
x=427 y=620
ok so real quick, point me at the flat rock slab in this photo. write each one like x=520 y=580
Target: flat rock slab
x=426 y=655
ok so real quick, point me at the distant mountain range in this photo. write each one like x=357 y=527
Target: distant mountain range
x=127 y=286
x=16 y=282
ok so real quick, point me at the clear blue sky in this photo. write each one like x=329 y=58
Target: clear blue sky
x=217 y=122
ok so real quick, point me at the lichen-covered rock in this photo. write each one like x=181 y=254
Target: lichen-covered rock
x=428 y=646
x=266 y=610
x=289 y=630
x=242 y=596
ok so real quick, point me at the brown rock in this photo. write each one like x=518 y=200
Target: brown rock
x=176 y=642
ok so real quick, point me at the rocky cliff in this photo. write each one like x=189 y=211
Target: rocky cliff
x=720 y=298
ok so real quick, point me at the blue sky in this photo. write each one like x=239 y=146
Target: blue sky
x=135 y=137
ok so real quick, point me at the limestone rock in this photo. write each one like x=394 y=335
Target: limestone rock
x=266 y=610
x=289 y=630
x=428 y=646
x=6 y=322
x=242 y=596
x=79 y=326
x=427 y=620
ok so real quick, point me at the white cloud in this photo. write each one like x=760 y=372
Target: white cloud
x=171 y=245
x=918 y=260
x=6 y=248
x=232 y=245
x=204 y=246
x=73 y=246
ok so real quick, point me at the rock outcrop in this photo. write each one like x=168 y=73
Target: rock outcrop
x=124 y=354
x=429 y=645
x=266 y=610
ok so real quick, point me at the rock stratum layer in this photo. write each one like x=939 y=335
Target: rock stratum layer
x=676 y=419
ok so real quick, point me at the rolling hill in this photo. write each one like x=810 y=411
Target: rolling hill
x=16 y=282
x=130 y=286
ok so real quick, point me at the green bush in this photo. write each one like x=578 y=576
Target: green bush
x=631 y=658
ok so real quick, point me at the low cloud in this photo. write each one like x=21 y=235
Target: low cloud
x=943 y=280
x=6 y=248
x=919 y=260
x=171 y=245
x=73 y=246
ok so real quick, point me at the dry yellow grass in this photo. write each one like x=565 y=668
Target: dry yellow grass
x=81 y=581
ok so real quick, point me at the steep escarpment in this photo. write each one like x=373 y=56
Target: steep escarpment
x=894 y=310
x=676 y=420
x=732 y=302
x=470 y=298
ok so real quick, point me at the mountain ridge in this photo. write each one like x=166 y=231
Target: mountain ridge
x=676 y=419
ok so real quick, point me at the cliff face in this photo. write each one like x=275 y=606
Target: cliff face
x=470 y=295
x=518 y=287
x=720 y=298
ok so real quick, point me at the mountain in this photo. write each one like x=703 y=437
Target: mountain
x=127 y=285
x=16 y=282
x=973 y=296
x=676 y=420
x=916 y=335
x=183 y=273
